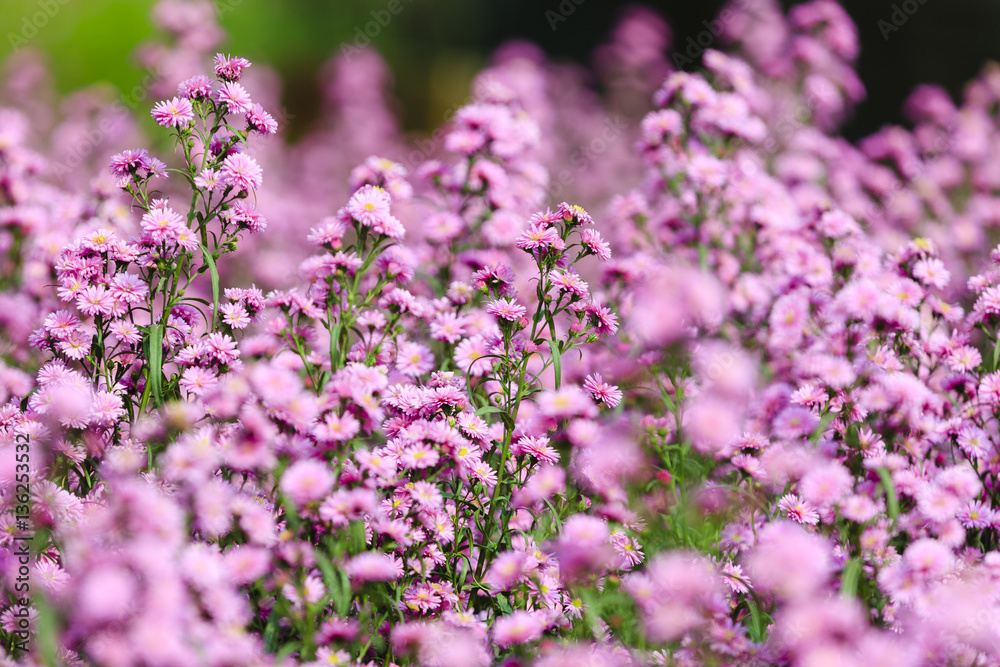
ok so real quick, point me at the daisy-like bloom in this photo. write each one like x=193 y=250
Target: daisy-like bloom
x=413 y=359
x=106 y=409
x=61 y=324
x=571 y=212
x=484 y=473
x=418 y=455
x=826 y=484
x=989 y=389
x=592 y=241
x=49 y=575
x=330 y=233
x=162 y=223
x=448 y=327
x=369 y=206
x=506 y=570
x=175 y=112
x=187 y=239
x=230 y=68
x=372 y=566
x=95 y=300
x=338 y=428
x=976 y=515
x=306 y=481
x=129 y=161
x=498 y=277
x=603 y=320
x=569 y=401
x=473 y=426
x=964 y=358
x=520 y=627
x=129 y=288
x=197 y=380
x=222 y=347
x=798 y=510
x=506 y=309
x=261 y=121
x=208 y=179
x=235 y=97
x=536 y=237
x=235 y=315
x=198 y=86
x=468 y=356
x=539 y=448
x=126 y=332
x=427 y=495
x=572 y=283
x=601 y=391
x=628 y=549
x=931 y=272
x=242 y=172
x=76 y=345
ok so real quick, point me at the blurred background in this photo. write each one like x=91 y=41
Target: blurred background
x=434 y=47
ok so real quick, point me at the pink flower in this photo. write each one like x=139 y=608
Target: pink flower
x=95 y=300
x=372 y=566
x=242 y=172
x=230 y=68
x=369 y=205
x=174 y=112
x=506 y=309
x=601 y=391
x=788 y=561
x=235 y=97
x=569 y=401
x=505 y=571
x=536 y=237
x=306 y=481
x=798 y=510
x=520 y=627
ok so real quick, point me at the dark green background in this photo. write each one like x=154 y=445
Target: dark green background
x=436 y=46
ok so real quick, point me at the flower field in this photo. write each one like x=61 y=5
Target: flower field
x=665 y=374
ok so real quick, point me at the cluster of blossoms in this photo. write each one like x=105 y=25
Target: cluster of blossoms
x=744 y=415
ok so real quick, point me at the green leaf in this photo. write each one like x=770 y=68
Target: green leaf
x=48 y=631
x=487 y=409
x=504 y=605
x=756 y=628
x=215 y=284
x=271 y=632
x=155 y=359
x=357 y=536
x=849 y=580
x=556 y=361
x=892 y=498
x=821 y=427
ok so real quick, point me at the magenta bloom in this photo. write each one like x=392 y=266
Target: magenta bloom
x=230 y=68
x=307 y=481
x=369 y=206
x=175 y=112
x=242 y=172
x=235 y=97
x=506 y=309
x=372 y=566
x=520 y=627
